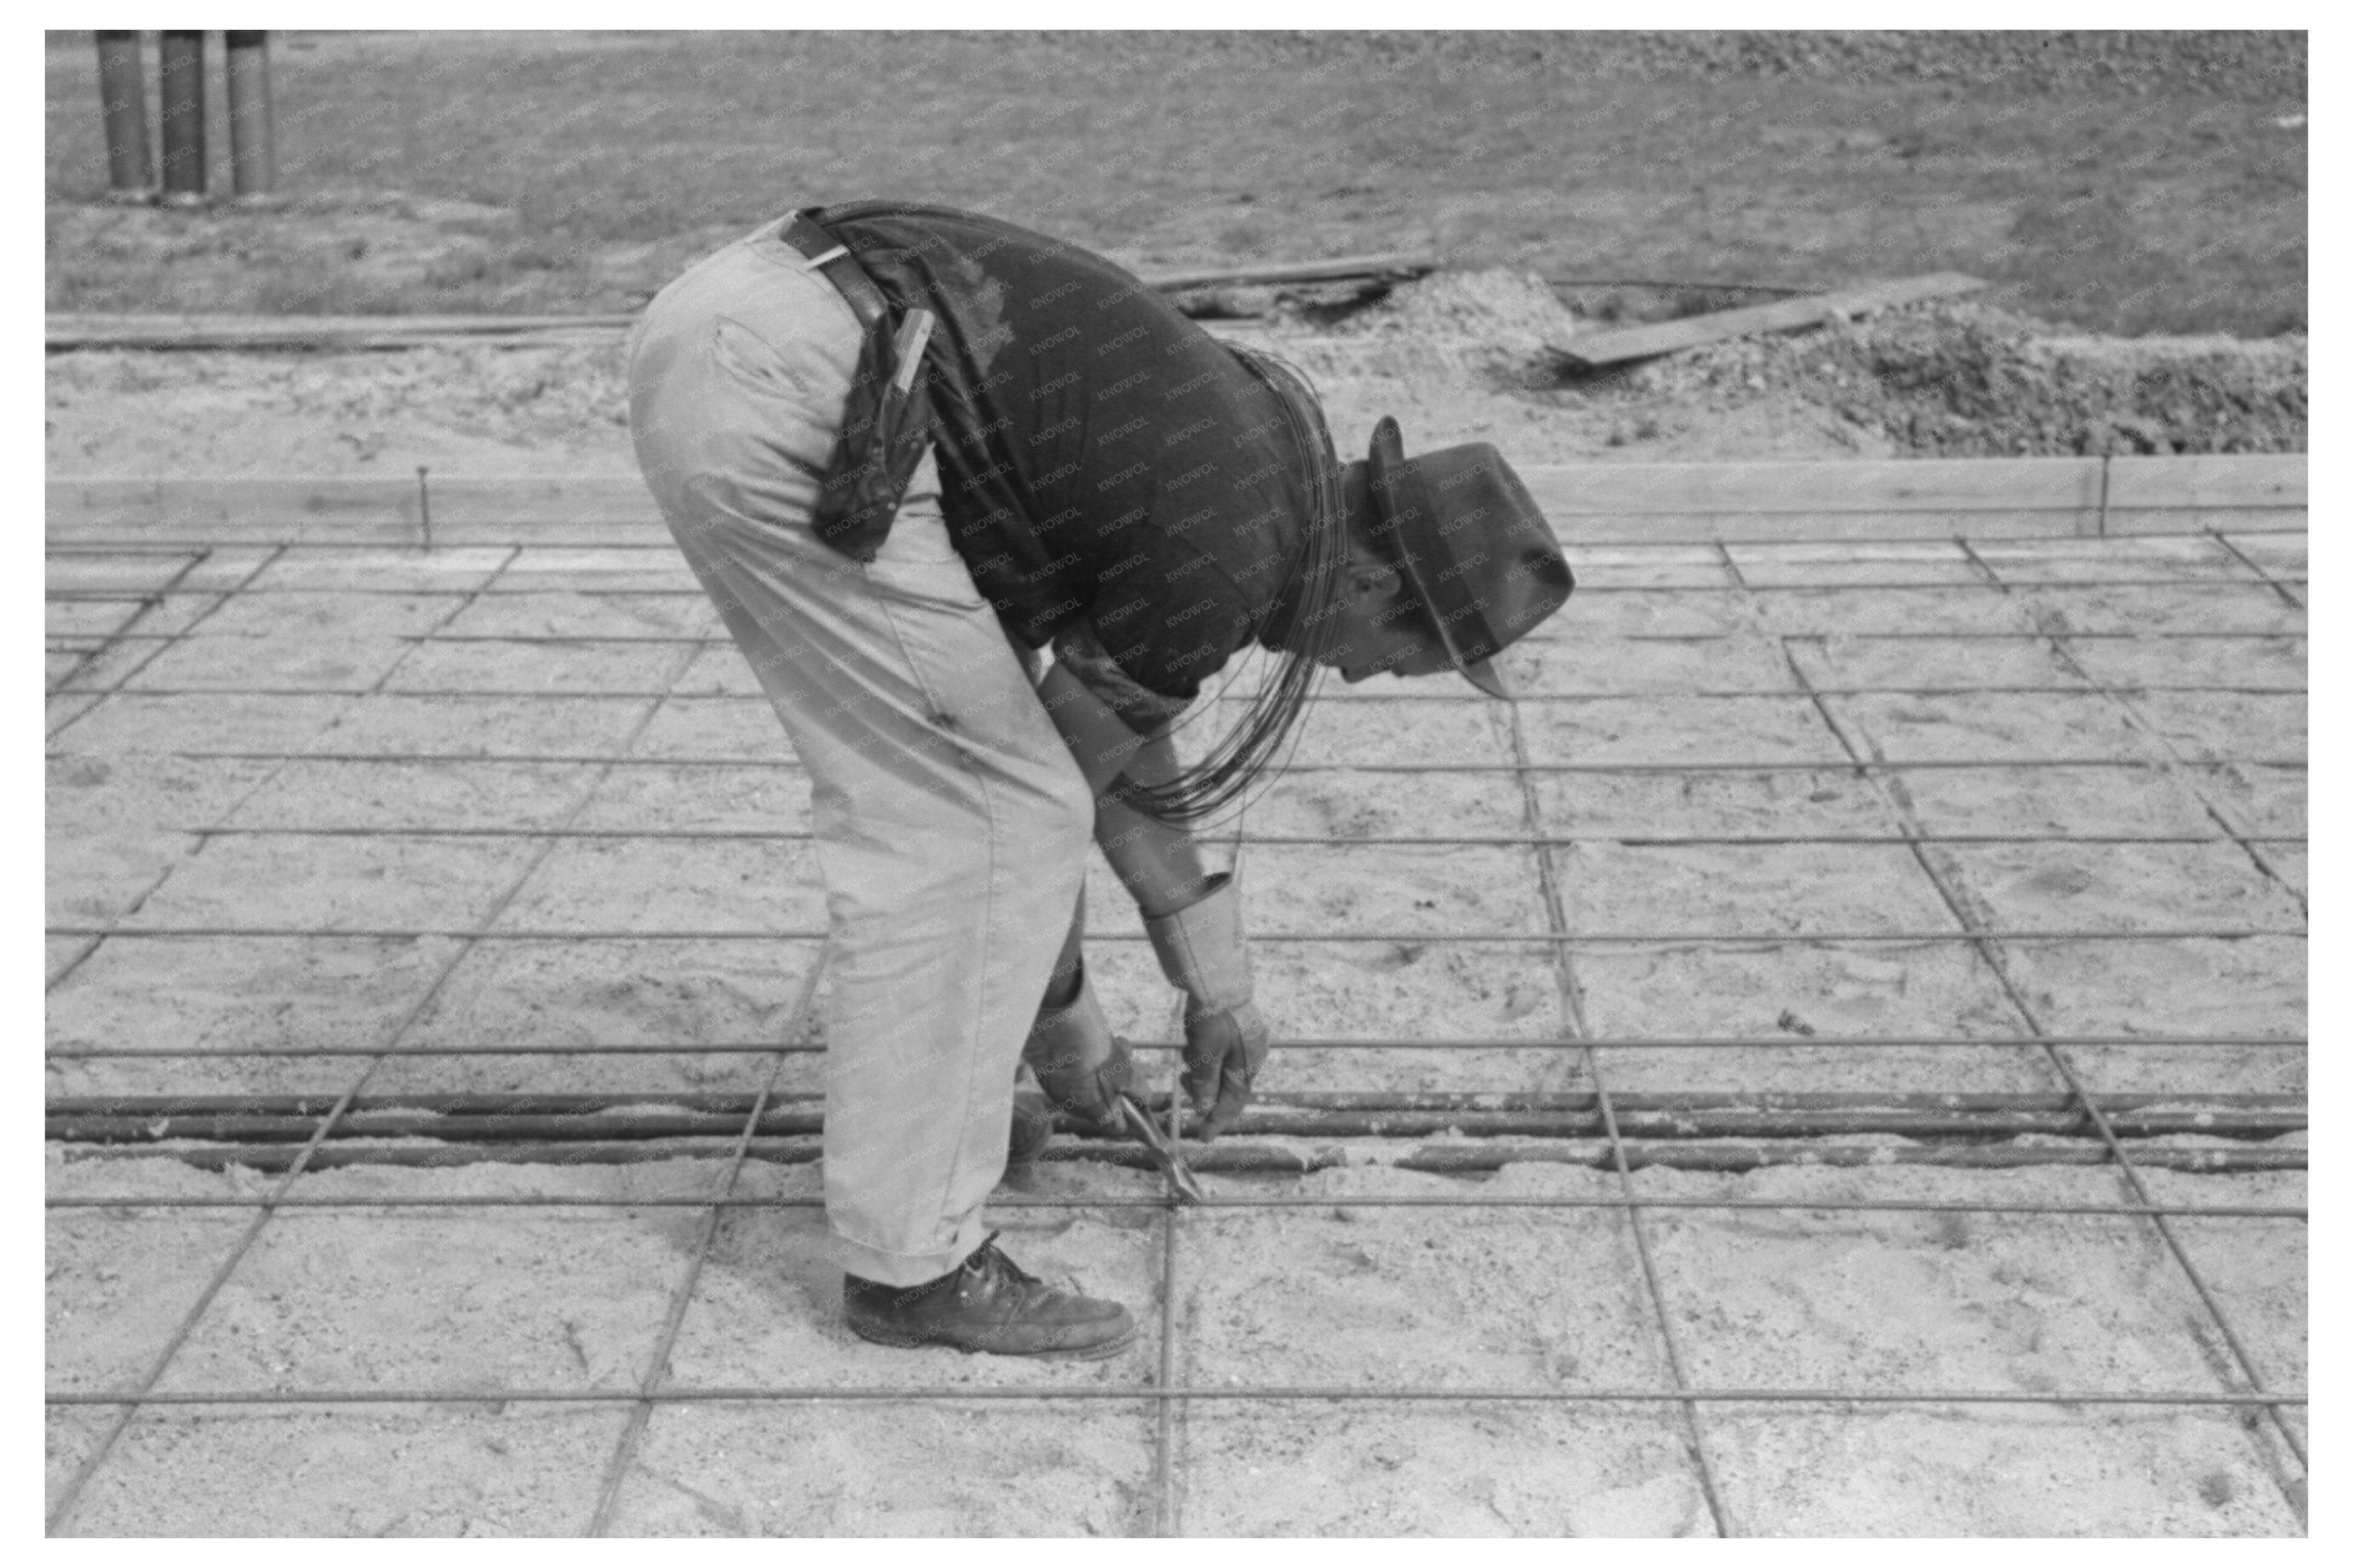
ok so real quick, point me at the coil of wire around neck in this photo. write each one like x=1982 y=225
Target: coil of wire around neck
x=1308 y=601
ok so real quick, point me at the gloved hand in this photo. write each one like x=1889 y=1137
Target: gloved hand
x=1201 y=951
x=1223 y=1051
x=1083 y=1066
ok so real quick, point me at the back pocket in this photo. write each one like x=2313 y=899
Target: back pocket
x=752 y=359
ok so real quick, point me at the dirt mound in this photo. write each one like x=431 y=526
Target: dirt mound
x=1507 y=310
x=1960 y=380
x=1459 y=356
x=1478 y=325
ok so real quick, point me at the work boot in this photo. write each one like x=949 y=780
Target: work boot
x=989 y=1304
x=1033 y=1129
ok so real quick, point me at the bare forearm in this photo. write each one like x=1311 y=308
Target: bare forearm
x=1159 y=865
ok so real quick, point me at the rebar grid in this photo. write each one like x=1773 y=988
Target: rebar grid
x=1443 y=1157
x=658 y=1364
x=1481 y=937
x=95 y=940
x=2141 y=725
x=1226 y=1200
x=1572 y=1019
x=1166 y=1395
x=163 y=641
x=784 y=764
x=720 y=639
x=2279 y=581
x=1990 y=950
x=144 y=602
x=510 y=1118
x=2212 y=572
x=1163 y=1446
x=1451 y=1043
x=1495 y=840
x=72 y=1493
x=820 y=1394
x=655 y=542
x=624 y=694
x=1166 y=1503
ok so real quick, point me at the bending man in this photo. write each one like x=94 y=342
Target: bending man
x=906 y=451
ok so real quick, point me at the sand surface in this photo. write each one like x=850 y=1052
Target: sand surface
x=1459 y=356
x=293 y=808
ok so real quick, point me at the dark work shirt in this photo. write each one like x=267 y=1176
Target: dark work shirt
x=1106 y=465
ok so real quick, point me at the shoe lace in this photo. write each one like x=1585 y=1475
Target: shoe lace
x=987 y=1261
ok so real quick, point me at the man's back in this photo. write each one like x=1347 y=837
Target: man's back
x=1102 y=459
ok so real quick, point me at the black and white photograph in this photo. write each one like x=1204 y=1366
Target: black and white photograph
x=1308 y=774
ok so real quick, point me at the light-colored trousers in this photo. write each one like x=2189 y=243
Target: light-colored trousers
x=951 y=823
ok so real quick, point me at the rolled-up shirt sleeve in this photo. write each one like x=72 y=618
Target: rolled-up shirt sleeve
x=1140 y=709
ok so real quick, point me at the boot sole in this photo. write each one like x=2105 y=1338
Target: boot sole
x=1100 y=1351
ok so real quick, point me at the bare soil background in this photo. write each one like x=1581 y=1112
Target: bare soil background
x=1459 y=356
x=2124 y=181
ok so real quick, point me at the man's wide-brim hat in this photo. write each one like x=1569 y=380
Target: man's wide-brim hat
x=1473 y=550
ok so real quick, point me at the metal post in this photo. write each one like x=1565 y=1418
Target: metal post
x=252 y=150
x=123 y=99
x=182 y=73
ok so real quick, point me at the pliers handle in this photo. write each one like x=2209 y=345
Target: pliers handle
x=1164 y=1152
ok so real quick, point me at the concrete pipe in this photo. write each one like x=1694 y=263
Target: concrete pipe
x=122 y=100
x=252 y=145
x=182 y=75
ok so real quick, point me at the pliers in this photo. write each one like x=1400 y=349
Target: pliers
x=1164 y=1152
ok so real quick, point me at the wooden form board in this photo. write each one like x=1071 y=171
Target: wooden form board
x=1924 y=499
x=1981 y=498
x=1336 y=270
x=68 y=330
x=105 y=332
x=1593 y=351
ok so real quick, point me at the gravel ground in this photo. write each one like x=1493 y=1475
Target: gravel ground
x=1456 y=357
x=1337 y=1289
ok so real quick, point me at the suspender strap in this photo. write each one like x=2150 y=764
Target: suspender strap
x=887 y=421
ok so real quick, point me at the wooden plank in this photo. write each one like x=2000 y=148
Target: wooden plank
x=489 y=503
x=1786 y=527
x=193 y=332
x=68 y=330
x=1595 y=349
x=255 y=505
x=235 y=510
x=1957 y=485
x=1410 y=264
x=2221 y=481
x=93 y=322
x=375 y=534
x=102 y=503
x=2209 y=520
